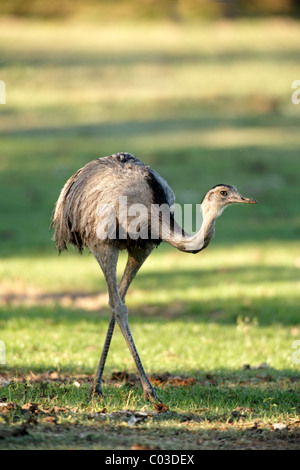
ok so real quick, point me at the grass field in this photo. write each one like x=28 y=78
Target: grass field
x=203 y=104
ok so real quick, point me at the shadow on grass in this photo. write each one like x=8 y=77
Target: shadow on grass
x=262 y=391
x=223 y=310
x=223 y=412
x=166 y=295
x=67 y=331
x=148 y=127
x=177 y=437
x=130 y=59
x=185 y=278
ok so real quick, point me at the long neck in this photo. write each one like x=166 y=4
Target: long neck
x=197 y=242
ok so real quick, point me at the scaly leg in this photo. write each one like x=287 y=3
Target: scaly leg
x=108 y=261
x=97 y=386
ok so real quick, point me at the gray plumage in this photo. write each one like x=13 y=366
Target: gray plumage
x=76 y=217
x=103 y=181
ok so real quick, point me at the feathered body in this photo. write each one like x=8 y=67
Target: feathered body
x=104 y=181
x=109 y=181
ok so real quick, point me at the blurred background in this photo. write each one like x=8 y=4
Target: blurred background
x=201 y=91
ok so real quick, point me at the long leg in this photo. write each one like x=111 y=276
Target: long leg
x=97 y=387
x=119 y=310
x=135 y=260
x=107 y=257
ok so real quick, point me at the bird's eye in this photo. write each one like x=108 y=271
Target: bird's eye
x=223 y=193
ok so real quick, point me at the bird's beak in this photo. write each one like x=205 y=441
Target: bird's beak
x=246 y=200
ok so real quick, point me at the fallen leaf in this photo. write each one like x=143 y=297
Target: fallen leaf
x=31 y=407
x=49 y=420
x=7 y=407
x=54 y=375
x=161 y=407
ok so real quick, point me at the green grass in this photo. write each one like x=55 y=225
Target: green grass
x=202 y=104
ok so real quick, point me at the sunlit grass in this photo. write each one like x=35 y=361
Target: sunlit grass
x=202 y=105
x=88 y=70
x=211 y=311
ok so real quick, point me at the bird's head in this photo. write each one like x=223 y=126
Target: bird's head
x=221 y=196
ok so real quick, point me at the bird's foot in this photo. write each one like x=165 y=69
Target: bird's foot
x=149 y=394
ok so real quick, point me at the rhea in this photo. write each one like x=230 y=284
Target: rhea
x=123 y=180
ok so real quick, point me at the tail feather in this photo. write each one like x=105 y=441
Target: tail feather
x=61 y=221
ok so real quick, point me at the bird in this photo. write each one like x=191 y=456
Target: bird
x=118 y=203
